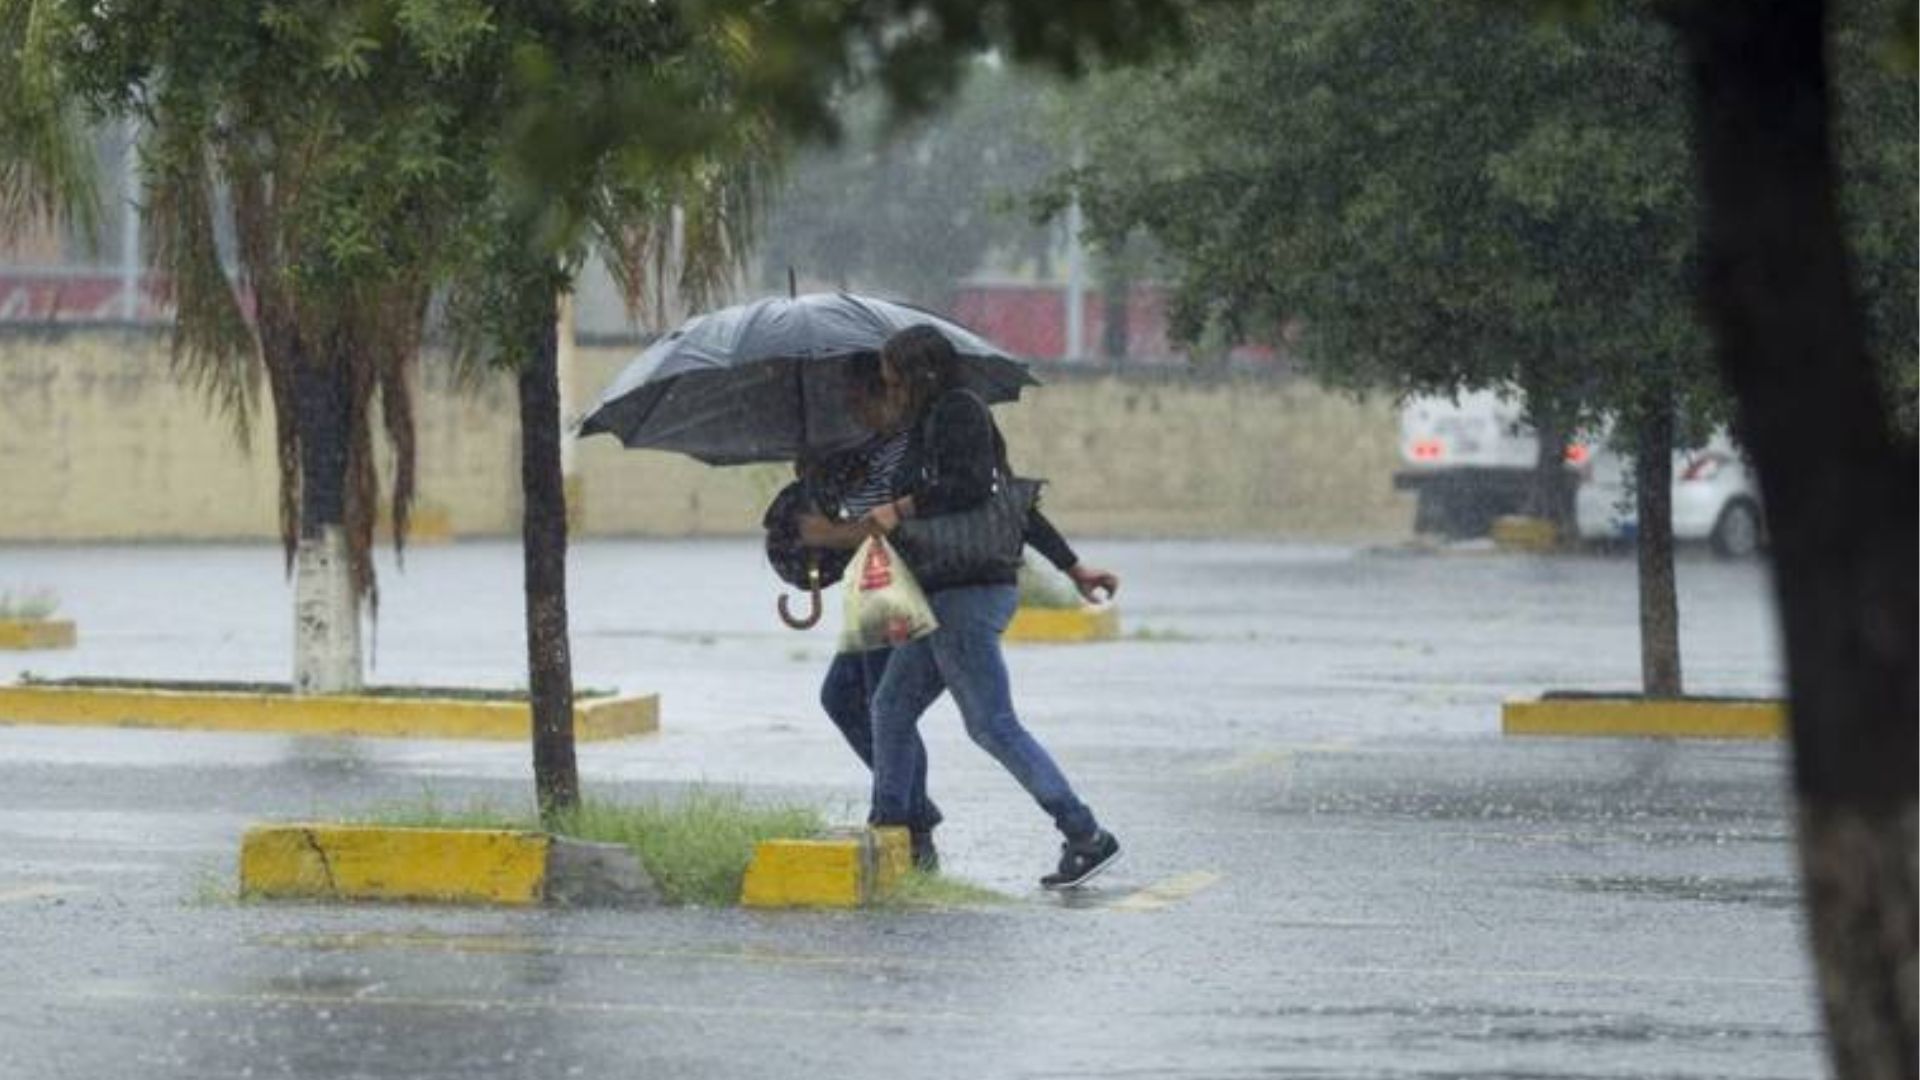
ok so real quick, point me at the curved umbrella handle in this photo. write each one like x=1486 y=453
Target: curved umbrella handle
x=813 y=599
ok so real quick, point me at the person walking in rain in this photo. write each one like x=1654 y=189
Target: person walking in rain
x=874 y=479
x=954 y=458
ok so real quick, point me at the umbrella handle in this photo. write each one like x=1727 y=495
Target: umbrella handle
x=813 y=599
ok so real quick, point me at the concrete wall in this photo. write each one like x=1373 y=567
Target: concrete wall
x=98 y=440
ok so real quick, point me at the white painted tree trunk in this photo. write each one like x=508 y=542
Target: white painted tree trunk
x=326 y=617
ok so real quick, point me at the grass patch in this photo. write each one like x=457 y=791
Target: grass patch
x=29 y=604
x=1149 y=633
x=919 y=891
x=1045 y=587
x=428 y=813
x=696 y=848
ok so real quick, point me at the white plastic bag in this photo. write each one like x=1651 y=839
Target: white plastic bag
x=883 y=602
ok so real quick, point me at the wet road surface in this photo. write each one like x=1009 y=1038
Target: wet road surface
x=1335 y=865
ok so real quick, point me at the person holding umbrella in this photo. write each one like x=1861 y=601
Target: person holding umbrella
x=846 y=693
x=955 y=462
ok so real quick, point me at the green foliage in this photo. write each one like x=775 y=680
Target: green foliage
x=696 y=847
x=28 y=603
x=46 y=170
x=1350 y=170
x=918 y=890
x=1042 y=586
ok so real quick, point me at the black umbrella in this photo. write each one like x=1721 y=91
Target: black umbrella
x=765 y=380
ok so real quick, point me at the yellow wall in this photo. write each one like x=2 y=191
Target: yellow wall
x=99 y=441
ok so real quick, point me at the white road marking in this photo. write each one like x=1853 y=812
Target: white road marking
x=39 y=891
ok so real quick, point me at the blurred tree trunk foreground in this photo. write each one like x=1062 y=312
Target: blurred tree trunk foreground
x=1840 y=488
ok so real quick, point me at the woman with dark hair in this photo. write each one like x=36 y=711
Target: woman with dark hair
x=875 y=478
x=954 y=459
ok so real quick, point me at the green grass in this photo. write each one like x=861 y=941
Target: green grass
x=919 y=891
x=696 y=848
x=1044 y=587
x=1148 y=633
x=30 y=604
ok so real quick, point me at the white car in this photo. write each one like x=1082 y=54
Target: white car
x=1716 y=497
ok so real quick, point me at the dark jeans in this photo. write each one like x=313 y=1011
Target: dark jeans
x=963 y=656
x=847 y=695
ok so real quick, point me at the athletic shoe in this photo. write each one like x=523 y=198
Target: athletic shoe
x=926 y=857
x=1082 y=860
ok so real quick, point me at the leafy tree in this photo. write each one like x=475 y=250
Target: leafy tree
x=272 y=124
x=1340 y=162
x=1349 y=165
x=371 y=150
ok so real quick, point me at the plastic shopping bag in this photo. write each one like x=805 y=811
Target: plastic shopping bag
x=884 y=604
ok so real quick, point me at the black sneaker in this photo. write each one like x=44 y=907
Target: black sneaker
x=926 y=857
x=1082 y=860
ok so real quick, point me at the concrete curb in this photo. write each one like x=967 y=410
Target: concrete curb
x=37 y=634
x=1064 y=625
x=1698 y=718
x=847 y=868
x=390 y=717
x=1528 y=534
x=428 y=524
x=450 y=866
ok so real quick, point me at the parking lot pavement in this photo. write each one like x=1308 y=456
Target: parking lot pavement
x=1335 y=865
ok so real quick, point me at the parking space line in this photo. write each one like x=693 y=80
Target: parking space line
x=1166 y=893
x=39 y=891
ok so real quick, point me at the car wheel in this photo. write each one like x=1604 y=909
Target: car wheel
x=1737 y=534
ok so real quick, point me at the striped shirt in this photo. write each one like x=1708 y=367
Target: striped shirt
x=884 y=455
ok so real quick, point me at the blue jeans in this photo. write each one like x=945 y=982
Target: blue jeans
x=963 y=656
x=847 y=696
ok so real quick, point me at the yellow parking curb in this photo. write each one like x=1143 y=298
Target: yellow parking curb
x=1515 y=533
x=1672 y=718
x=286 y=713
x=427 y=524
x=842 y=870
x=375 y=862
x=1061 y=625
x=36 y=634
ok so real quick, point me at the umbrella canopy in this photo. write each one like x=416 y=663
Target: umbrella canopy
x=765 y=380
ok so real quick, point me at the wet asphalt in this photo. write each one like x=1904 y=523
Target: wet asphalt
x=1335 y=865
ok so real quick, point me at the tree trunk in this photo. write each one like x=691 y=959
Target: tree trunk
x=1840 y=492
x=326 y=636
x=544 y=543
x=1551 y=496
x=1653 y=497
x=1115 y=293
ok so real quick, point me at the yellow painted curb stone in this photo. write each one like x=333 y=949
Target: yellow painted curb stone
x=374 y=862
x=841 y=870
x=1680 y=719
x=427 y=523
x=1063 y=625
x=1516 y=533
x=394 y=717
x=36 y=634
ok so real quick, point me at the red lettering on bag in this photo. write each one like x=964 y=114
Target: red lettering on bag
x=877 y=573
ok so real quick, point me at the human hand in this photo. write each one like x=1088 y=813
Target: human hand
x=882 y=519
x=1093 y=581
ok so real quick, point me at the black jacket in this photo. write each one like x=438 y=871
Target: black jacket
x=953 y=458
